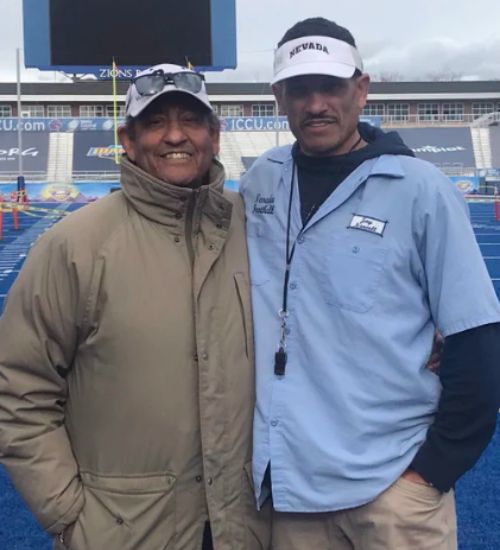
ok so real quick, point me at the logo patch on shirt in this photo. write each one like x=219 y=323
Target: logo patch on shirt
x=365 y=223
x=263 y=205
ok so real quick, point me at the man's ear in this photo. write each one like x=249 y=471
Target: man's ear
x=279 y=94
x=215 y=135
x=362 y=84
x=126 y=142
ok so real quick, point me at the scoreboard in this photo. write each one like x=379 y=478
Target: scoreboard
x=85 y=35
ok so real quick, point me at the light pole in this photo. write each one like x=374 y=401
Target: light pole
x=19 y=129
x=20 y=177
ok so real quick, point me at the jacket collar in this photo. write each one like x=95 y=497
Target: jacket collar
x=166 y=203
x=384 y=165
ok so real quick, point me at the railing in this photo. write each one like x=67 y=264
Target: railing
x=30 y=177
x=93 y=175
x=11 y=177
x=487 y=120
x=436 y=120
x=456 y=169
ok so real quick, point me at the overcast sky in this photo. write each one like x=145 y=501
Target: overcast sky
x=405 y=39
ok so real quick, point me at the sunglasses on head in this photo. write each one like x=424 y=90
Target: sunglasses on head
x=150 y=84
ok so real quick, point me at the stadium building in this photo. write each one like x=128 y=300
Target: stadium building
x=67 y=128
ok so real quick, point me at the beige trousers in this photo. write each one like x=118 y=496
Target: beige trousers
x=407 y=516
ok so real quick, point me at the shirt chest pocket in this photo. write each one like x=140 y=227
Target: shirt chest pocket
x=351 y=273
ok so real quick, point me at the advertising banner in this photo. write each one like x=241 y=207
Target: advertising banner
x=34 y=152
x=94 y=152
x=466 y=184
x=441 y=146
x=81 y=192
x=269 y=123
x=56 y=124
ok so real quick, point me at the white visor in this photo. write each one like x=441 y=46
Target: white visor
x=315 y=55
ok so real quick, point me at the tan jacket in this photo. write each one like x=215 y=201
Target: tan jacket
x=126 y=372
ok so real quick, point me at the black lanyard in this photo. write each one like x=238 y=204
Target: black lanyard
x=280 y=357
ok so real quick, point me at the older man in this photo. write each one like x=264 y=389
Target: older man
x=365 y=253
x=126 y=376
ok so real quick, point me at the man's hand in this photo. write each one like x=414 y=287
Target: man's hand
x=437 y=347
x=415 y=477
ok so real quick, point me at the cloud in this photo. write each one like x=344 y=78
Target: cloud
x=435 y=58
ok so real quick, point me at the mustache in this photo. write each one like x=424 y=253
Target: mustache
x=313 y=119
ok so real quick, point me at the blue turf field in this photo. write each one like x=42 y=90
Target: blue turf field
x=478 y=492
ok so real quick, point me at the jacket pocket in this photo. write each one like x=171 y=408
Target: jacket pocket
x=126 y=513
x=243 y=291
x=351 y=273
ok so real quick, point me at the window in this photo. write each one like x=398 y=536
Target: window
x=480 y=109
x=374 y=109
x=263 y=109
x=59 y=111
x=398 y=111
x=231 y=109
x=5 y=111
x=428 y=111
x=28 y=111
x=453 y=111
x=110 y=110
x=91 y=111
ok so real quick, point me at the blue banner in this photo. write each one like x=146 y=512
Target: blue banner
x=445 y=147
x=269 y=123
x=94 y=152
x=57 y=124
x=100 y=124
x=34 y=154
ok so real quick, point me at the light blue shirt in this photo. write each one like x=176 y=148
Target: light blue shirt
x=389 y=257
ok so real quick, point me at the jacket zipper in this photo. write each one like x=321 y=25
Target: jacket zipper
x=189 y=226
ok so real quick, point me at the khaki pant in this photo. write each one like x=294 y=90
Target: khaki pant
x=407 y=516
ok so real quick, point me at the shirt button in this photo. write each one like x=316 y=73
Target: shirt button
x=211 y=247
x=195 y=358
x=287 y=331
x=119 y=520
x=293 y=286
x=355 y=249
x=274 y=423
x=210 y=481
x=301 y=239
x=177 y=239
x=205 y=356
x=199 y=479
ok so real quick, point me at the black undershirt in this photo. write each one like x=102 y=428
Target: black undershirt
x=318 y=177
